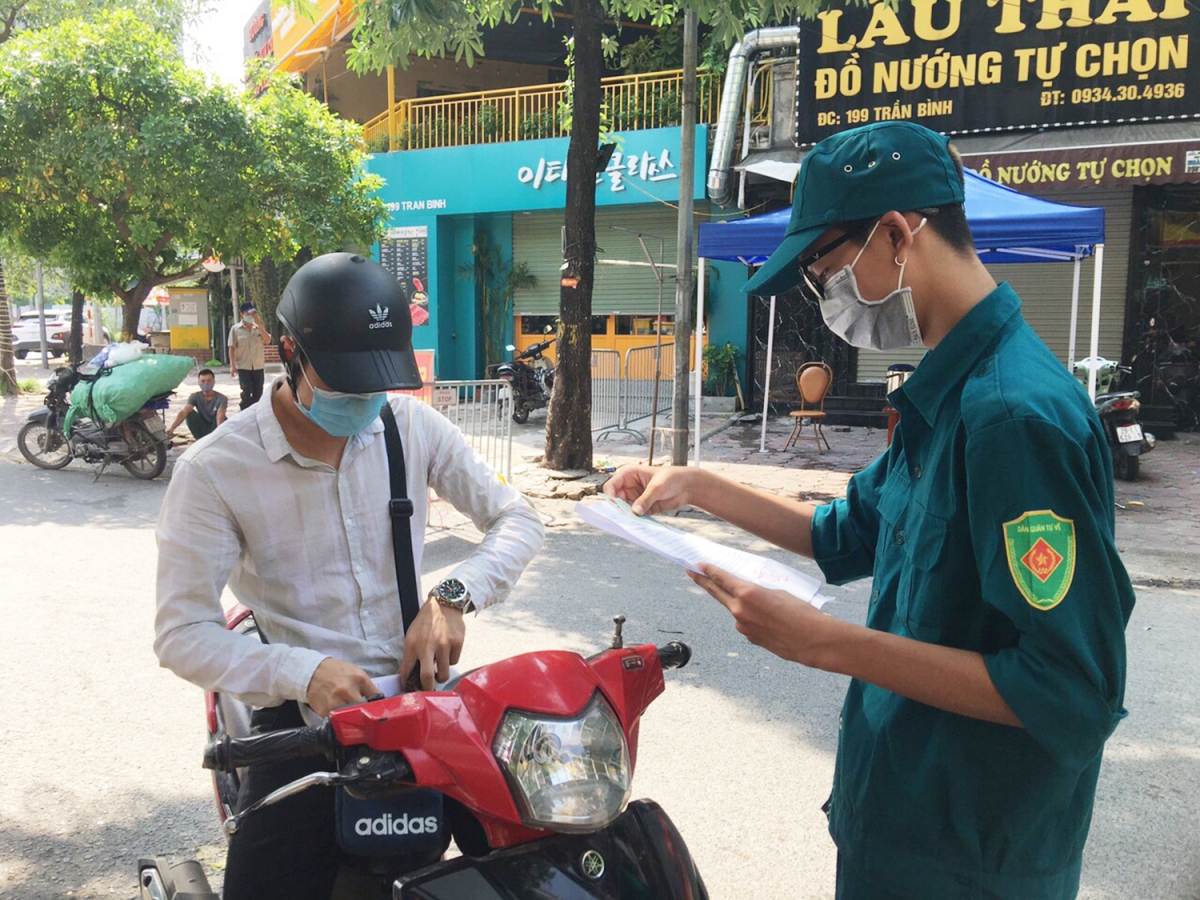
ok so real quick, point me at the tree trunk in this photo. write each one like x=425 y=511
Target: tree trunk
x=8 y=369
x=569 y=418
x=134 y=298
x=75 y=343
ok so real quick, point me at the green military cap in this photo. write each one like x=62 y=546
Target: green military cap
x=860 y=174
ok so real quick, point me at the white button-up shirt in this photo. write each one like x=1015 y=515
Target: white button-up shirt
x=308 y=548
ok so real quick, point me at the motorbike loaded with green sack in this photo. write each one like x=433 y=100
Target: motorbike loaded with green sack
x=106 y=414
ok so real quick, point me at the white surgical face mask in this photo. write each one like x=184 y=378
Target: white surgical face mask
x=887 y=324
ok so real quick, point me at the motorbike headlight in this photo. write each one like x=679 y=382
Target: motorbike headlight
x=567 y=774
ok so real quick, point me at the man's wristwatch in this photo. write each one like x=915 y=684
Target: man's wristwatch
x=453 y=593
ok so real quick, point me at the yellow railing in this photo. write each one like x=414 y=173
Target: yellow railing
x=631 y=102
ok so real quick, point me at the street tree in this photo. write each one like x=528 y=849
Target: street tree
x=390 y=32
x=126 y=168
x=167 y=16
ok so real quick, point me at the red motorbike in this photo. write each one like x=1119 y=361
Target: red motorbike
x=527 y=763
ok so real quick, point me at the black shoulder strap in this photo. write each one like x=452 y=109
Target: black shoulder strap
x=401 y=509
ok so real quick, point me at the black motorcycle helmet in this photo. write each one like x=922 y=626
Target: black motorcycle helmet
x=350 y=319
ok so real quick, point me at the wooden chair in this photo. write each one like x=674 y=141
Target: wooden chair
x=813 y=380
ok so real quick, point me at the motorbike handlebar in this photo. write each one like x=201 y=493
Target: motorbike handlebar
x=227 y=753
x=674 y=655
x=534 y=349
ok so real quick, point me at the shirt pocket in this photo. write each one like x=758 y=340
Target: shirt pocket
x=924 y=602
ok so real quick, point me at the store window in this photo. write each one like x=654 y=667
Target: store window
x=645 y=325
x=538 y=324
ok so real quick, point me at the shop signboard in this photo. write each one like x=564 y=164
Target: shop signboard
x=530 y=175
x=257 y=36
x=974 y=66
x=1067 y=169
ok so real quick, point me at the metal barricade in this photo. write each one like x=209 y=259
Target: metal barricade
x=482 y=410
x=606 y=390
x=640 y=382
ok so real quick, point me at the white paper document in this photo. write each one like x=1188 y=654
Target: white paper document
x=691 y=551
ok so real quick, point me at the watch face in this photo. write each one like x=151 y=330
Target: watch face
x=452 y=589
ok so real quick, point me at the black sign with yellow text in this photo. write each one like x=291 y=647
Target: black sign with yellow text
x=970 y=66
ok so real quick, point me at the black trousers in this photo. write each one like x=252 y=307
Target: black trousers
x=289 y=849
x=251 y=382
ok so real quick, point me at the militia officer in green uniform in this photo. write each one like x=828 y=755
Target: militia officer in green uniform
x=992 y=666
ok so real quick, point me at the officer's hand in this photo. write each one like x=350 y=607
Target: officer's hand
x=434 y=640
x=651 y=489
x=774 y=620
x=337 y=683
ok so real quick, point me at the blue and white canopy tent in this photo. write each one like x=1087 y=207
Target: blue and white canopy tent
x=1008 y=227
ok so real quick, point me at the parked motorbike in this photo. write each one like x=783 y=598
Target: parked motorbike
x=1118 y=411
x=531 y=381
x=139 y=443
x=526 y=762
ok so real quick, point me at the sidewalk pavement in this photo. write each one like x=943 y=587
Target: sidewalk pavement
x=1158 y=516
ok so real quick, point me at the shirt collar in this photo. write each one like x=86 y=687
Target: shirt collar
x=946 y=366
x=269 y=429
x=275 y=442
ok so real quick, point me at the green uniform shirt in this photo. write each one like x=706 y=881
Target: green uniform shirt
x=988 y=526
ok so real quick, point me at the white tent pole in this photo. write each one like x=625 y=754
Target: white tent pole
x=1074 y=318
x=762 y=442
x=699 y=359
x=1095 y=345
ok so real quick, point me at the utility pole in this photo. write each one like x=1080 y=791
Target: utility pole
x=683 y=256
x=41 y=306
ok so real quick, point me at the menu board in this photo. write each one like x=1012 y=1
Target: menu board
x=405 y=253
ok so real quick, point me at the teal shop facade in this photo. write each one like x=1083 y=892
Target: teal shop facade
x=514 y=194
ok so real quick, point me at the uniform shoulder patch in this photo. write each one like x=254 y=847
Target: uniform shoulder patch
x=1041 y=556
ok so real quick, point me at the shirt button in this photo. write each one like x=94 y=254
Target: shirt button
x=916 y=471
x=349 y=521
x=359 y=568
x=900 y=536
x=366 y=614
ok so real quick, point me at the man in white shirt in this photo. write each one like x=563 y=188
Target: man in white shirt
x=288 y=505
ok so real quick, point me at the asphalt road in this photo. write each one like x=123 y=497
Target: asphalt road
x=101 y=747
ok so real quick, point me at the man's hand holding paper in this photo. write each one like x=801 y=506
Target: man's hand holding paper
x=695 y=553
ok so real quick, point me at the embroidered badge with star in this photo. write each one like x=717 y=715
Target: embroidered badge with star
x=1041 y=556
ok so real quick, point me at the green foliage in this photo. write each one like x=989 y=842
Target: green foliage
x=30 y=386
x=212 y=364
x=663 y=50
x=392 y=32
x=168 y=17
x=121 y=167
x=379 y=143
x=539 y=125
x=720 y=365
x=496 y=282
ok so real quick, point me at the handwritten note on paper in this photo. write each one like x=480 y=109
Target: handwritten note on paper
x=691 y=551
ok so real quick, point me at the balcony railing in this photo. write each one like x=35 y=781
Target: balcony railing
x=631 y=102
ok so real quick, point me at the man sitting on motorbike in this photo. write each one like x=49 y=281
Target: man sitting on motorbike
x=289 y=506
